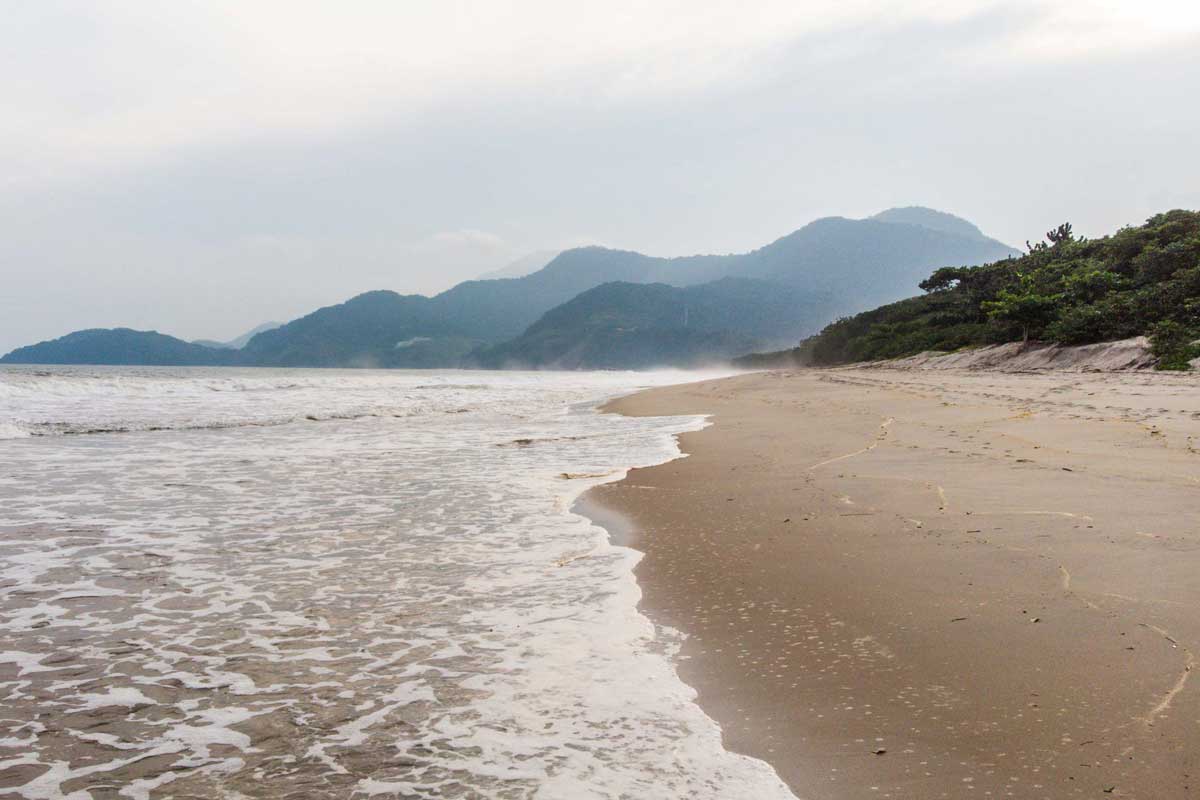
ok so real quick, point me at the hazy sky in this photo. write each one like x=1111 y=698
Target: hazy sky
x=200 y=167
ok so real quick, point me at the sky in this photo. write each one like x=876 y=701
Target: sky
x=198 y=168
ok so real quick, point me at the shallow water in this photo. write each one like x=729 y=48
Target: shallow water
x=311 y=584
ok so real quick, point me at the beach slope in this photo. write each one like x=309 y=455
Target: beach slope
x=935 y=584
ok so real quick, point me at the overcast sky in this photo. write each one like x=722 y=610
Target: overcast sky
x=200 y=167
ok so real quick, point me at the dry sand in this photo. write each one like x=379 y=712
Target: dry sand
x=992 y=578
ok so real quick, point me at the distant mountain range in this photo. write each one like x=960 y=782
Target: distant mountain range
x=632 y=325
x=239 y=342
x=789 y=288
x=525 y=265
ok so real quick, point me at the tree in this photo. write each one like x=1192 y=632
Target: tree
x=944 y=278
x=1060 y=234
x=1063 y=233
x=1025 y=306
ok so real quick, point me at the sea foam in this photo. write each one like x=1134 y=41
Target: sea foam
x=373 y=585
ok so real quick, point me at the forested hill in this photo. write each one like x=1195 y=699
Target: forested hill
x=119 y=346
x=847 y=264
x=1141 y=280
x=638 y=325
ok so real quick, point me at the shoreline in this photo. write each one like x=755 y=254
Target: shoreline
x=985 y=576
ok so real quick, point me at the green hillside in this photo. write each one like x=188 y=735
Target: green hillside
x=631 y=325
x=1141 y=280
x=120 y=346
x=375 y=329
x=849 y=264
x=852 y=264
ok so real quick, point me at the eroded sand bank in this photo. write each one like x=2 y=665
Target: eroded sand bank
x=992 y=578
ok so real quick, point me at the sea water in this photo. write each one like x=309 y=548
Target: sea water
x=333 y=584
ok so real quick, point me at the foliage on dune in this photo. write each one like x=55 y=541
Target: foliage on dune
x=1142 y=280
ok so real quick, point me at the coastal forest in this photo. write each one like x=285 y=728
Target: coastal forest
x=1069 y=290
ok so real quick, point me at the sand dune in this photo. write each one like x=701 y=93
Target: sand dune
x=1125 y=354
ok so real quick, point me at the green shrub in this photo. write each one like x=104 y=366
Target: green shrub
x=1174 y=345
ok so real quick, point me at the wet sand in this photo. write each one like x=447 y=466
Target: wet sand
x=935 y=584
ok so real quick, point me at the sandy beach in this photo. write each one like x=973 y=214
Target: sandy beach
x=928 y=584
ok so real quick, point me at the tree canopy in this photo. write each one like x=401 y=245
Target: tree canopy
x=1142 y=280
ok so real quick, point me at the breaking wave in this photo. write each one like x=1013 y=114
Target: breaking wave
x=377 y=606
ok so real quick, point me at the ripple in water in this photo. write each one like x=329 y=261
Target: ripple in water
x=398 y=604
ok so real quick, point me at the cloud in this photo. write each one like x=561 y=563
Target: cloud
x=201 y=166
x=93 y=88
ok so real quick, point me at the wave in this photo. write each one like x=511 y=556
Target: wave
x=75 y=401
x=493 y=631
x=10 y=430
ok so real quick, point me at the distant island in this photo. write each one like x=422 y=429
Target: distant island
x=1140 y=281
x=591 y=307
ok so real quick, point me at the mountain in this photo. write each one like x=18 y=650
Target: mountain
x=1140 y=281
x=239 y=342
x=525 y=265
x=861 y=263
x=376 y=329
x=117 y=346
x=850 y=264
x=637 y=325
x=929 y=218
x=855 y=263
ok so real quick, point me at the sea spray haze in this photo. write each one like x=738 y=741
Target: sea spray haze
x=331 y=585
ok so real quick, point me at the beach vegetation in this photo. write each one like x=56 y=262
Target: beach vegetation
x=1140 y=281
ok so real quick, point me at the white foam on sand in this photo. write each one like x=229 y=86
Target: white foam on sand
x=25 y=662
x=124 y=696
x=394 y=603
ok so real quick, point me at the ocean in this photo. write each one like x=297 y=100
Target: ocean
x=236 y=583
